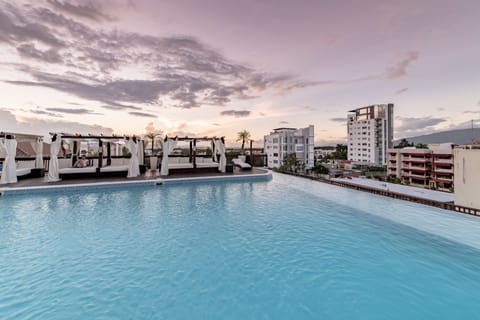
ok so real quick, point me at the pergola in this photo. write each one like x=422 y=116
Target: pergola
x=8 y=150
x=102 y=141
x=217 y=143
x=104 y=164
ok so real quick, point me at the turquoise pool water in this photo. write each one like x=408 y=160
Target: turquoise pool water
x=283 y=249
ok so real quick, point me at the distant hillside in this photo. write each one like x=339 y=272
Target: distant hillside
x=462 y=136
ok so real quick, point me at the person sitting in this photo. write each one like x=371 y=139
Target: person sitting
x=82 y=162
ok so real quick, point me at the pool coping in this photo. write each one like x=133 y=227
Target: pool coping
x=267 y=175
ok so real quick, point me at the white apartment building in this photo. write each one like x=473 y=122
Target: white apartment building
x=370 y=133
x=467 y=176
x=283 y=141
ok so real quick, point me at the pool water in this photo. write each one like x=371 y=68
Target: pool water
x=282 y=249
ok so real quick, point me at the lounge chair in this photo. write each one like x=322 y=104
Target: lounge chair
x=242 y=165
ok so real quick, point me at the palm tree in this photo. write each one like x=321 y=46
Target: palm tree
x=152 y=136
x=243 y=136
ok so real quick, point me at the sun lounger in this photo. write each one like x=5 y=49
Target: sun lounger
x=205 y=163
x=242 y=165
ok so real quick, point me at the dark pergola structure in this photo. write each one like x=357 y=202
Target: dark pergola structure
x=193 y=145
x=101 y=139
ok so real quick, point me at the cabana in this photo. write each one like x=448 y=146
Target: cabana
x=13 y=170
x=193 y=162
x=104 y=164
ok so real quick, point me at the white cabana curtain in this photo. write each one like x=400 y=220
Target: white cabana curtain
x=220 y=149
x=53 y=170
x=9 y=172
x=168 y=147
x=133 y=169
x=38 y=148
x=215 y=147
x=141 y=159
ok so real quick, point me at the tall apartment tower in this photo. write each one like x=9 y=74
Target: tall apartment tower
x=370 y=133
x=283 y=141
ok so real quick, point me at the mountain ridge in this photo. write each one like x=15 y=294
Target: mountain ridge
x=458 y=136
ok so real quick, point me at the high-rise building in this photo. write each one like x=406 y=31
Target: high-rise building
x=283 y=141
x=370 y=133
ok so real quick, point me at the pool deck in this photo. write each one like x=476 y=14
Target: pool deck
x=152 y=177
x=432 y=198
x=403 y=189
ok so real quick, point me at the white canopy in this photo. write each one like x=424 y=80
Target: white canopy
x=53 y=172
x=37 y=146
x=133 y=169
x=168 y=147
x=9 y=172
x=220 y=149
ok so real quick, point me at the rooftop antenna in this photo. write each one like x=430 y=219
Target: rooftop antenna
x=473 y=132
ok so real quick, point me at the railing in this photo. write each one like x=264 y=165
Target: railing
x=438 y=204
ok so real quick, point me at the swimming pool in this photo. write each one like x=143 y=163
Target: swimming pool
x=283 y=249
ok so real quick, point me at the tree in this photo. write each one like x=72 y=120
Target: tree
x=340 y=152
x=403 y=143
x=152 y=136
x=320 y=169
x=289 y=163
x=421 y=146
x=243 y=136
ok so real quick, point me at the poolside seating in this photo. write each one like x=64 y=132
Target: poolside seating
x=23 y=168
x=241 y=164
x=66 y=171
x=117 y=166
x=179 y=163
x=205 y=163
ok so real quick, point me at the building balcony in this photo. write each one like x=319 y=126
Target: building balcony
x=442 y=155
x=417 y=176
x=444 y=162
x=419 y=155
x=443 y=171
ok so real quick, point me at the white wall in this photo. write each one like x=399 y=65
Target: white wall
x=467 y=177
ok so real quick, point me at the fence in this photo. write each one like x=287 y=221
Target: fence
x=438 y=204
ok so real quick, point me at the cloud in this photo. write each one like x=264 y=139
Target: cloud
x=236 y=113
x=10 y=122
x=23 y=29
x=341 y=120
x=284 y=122
x=401 y=91
x=88 y=11
x=46 y=113
x=175 y=71
x=412 y=125
x=400 y=68
x=29 y=50
x=150 y=128
x=472 y=111
x=72 y=110
x=142 y=114
x=395 y=71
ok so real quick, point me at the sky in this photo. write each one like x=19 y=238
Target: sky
x=217 y=67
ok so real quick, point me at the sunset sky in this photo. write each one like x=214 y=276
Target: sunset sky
x=216 y=67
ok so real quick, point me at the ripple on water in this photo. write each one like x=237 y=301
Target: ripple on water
x=227 y=251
